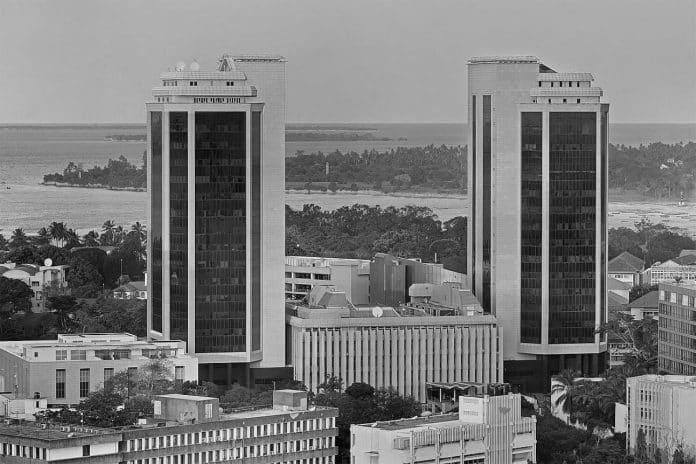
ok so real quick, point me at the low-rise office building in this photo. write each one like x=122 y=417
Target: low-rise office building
x=66 y=370
x=486 y=430
x=186 y=430
x=677 y=328
x=351 y=276
x=401 y=347
x=662 y=406
x=682 y=267
x=43 y=280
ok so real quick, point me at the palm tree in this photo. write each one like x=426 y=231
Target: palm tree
x=119 y=235
x=57 y=232
x=563 y=385
x=18 y=239
x=3 y=242
x=91 y=238
x=140 y=230
x=42 y=237
x=71 y=238
x=107 y=237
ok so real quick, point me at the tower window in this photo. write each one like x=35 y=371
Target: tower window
x=560 y=84
x=193 y=83
x=549 y=100
x=577 y=84
x=570 y=84
x=551 y=84
x=578 y=100
x=565 y=101
x=539 y=83
x=230 y=83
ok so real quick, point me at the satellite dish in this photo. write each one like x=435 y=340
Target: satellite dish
x=377 y=311
x=48 y=262
x=195 y=66
x=180 y=66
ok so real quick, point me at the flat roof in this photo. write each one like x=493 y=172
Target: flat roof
x=268 y=411
x=503 y=59
x=178 y=396
x=439 y=420
x=52 y=431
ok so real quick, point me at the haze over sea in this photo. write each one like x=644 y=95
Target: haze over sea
x=29 y=152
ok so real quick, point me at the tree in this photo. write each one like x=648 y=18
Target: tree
x=15 y=296
x=564 y=387
x=64 y=307
x=84 y=278
x=18 y=239
x=666 y=245
x=624 y=239
x=640 y=337
x=333 y=187
x=42 y=238
x=91 y=238
x=108 y=229
x=58 y=232
x=112 y=315
x=641 y=451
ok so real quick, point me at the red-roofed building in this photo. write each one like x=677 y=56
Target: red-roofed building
x=626 y=268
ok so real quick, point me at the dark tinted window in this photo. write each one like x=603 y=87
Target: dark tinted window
x=531 y=216
x=572 y=227
x=486 y=263
x=156 y=219
x=220 y=232
x=178 y=225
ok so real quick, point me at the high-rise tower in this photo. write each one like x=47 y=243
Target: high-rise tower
x=216 y=170
x=537 y=237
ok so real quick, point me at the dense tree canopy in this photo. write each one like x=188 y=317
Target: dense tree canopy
x=359 y=231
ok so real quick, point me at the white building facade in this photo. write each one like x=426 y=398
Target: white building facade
x=662 y=406
x=67 y=370
x=394 y=350
x=216 y=154
x=487 y=430
x=537 y=155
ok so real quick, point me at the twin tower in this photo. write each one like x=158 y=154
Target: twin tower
x=537 y=186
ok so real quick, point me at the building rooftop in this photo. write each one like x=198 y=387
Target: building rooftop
x=437 y=421
x=40 y=431
x=649 y=300
x=625 y=262
x=685 y=260
x=503 y=59
x=614 y=300
x=615 y=284
x=687 y=381
x=136 y=286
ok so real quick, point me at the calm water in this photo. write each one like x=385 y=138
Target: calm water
x=26 y=154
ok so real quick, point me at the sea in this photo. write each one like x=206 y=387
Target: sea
x=27 y=152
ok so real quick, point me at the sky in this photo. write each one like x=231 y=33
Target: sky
x=93 y=61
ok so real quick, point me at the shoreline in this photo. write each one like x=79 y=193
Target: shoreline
x=93 y=186
x=614 y=196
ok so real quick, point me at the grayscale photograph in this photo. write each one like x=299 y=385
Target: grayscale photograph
x=364 y=232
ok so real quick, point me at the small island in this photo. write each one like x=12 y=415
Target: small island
x=119 y=174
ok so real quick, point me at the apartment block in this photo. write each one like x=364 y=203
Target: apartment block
x=67 y=370
x=486 y=430
x=677 y=328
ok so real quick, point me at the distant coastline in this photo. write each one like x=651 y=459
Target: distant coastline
x=93 y=186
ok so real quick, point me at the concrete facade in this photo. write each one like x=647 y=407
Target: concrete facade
x=251 y=87
x=487 y=430
x=351 y=276
x=402 y=348
x=661 y=405
x=266 y=435
x=391 y=277
x=38 y=366
x=510 y=87
x=677 y=328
